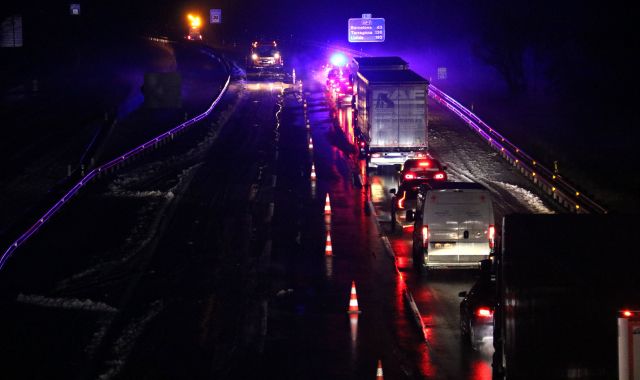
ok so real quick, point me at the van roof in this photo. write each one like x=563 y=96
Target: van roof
x=454 y=186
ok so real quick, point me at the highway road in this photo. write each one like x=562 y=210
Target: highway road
x=208 y=258
x=467 y=158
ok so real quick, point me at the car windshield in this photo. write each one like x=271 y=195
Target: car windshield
x=264 y=51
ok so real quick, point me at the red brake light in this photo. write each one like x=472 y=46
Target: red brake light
x=424 y=163
x=439 y=176
x=425 y=235
x=362 y=144
x=409 y=176
x=484 y=312
x=491 y=234
x=627 y=313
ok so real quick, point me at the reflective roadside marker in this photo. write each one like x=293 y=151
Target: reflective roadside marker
x=353 y=300
x=379 y=374
x=327 y=205
x=328 y=248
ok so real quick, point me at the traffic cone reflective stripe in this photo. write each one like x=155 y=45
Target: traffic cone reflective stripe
x=379 y=375
x=327 y=205
x=353 y=300
x=328 y=248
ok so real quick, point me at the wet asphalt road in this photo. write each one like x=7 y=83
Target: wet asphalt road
x=225 y=273
x=311 y=336
x=468 y=159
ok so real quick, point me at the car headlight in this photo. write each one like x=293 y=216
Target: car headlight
x=254 y=56
x=276 y=55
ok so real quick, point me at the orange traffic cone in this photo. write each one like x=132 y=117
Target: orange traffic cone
x=327 y=205
x=353 y=301
x=328 y=248
x=379 y=375
x=313 y=172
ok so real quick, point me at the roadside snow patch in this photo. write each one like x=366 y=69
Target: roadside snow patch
x=532 y=201
x=66 y=303
x=124 y=344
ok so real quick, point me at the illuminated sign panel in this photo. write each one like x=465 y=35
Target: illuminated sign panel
x=215 y=16
x=366 y=30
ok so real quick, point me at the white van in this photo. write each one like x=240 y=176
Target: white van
x=453 y=226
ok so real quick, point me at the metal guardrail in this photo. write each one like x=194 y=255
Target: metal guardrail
x=106 y=168
x=563 y=192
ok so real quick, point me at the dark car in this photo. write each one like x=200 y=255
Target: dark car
x=477 y=307
x=420 y=169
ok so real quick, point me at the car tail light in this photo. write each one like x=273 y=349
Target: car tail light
x=409 y=176
x=401 y=200
x=484 y=312
x=425 y=236
x=439 y=176
x=627 y=313
x=491 y=234
x=375 y=155
x=424 y=164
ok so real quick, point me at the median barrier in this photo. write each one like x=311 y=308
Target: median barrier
x=108 y=167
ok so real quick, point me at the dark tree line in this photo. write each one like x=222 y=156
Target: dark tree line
x=554 y=45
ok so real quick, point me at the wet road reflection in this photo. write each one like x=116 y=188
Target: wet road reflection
x=437 y=298
x=445 y=354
